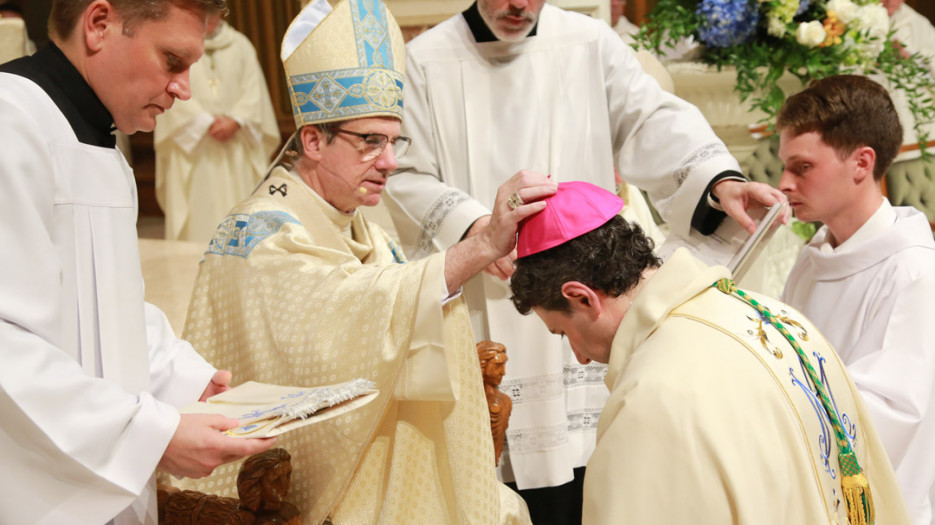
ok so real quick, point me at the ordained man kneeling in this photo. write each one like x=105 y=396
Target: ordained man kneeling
x=715 y=415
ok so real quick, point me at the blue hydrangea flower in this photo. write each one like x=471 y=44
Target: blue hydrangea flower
x=803 y=5
x=726 y=23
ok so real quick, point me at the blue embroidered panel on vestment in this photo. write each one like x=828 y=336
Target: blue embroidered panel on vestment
x=239 y=233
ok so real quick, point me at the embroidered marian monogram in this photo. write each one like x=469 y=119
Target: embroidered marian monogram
x=854 y=484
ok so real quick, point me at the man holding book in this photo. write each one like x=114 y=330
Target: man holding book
x=297 y=288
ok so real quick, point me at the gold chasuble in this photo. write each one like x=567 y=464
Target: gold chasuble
x=294 y=292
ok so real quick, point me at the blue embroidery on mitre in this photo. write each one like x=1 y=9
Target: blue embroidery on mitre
x=371 y=86
x=345 y=94
x=370 y=31
x=239 y=233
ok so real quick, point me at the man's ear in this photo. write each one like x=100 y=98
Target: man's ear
x=865 y=159
x=312 y=142
x=582 y=299
x=99 y=18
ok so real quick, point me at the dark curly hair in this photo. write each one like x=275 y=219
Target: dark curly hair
x=610 y=259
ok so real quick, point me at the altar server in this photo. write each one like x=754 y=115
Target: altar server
x=213 y=149
x=867 y=278
x=91 y=376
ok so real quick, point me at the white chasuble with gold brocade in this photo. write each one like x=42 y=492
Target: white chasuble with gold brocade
x=712 y=418
x=284 y=296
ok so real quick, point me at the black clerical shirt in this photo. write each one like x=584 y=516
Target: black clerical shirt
x=51 y=70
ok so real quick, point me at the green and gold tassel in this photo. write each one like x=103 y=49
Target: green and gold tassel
x=856 y=491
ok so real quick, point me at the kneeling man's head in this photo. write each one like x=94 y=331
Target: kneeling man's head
x=580 y=266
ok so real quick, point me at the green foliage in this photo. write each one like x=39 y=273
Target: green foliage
x=805 y=230
x=764 y=58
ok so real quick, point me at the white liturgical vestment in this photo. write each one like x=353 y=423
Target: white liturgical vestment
x=874 y=300
x=199 y=178
x=712 y=419
x=571 y=102
x=90 y=374
x=293 y=291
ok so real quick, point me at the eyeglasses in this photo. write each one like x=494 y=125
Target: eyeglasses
x=374 y=144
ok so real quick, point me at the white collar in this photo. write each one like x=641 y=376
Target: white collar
x=881 y=219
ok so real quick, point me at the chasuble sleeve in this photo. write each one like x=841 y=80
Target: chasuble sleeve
x=186 y=123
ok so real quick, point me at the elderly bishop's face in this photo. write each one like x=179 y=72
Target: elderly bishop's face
x=344 y=176
x=510 y=20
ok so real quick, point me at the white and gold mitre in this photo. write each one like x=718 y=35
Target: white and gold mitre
x=344 y=62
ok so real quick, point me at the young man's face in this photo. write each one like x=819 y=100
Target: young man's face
x=590 y=339
x=510 y=20
x=817 y=181
x=139 y=76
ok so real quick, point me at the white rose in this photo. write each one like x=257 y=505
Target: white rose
x=873 y=19
x=844 y=9
x=776 y=27
x=810 y=34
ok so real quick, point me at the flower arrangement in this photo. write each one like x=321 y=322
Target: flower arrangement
x=810 y=39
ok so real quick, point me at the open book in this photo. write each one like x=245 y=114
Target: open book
x=266 y=410
x=729 y=245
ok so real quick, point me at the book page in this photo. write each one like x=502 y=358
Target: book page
x=266 y=410
x=730 y=245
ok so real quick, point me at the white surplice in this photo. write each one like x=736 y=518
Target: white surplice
x=874 y=299
x=91 y=375
x=572 y=102
x=198 y=178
